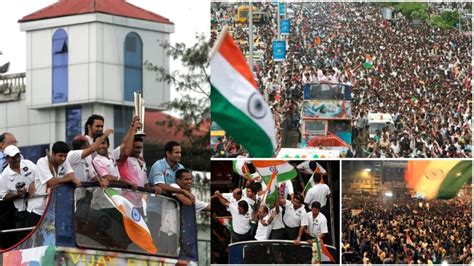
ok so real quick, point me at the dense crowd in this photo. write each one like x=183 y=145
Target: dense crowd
x=407 y=231
x=419 y=74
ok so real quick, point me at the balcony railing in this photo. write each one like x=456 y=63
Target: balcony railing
x=11 y=86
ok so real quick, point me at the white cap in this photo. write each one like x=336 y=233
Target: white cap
x=11 y=150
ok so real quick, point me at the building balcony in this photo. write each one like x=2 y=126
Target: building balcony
x=12 y=86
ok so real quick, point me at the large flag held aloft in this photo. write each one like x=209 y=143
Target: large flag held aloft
x=135 y=226
x=437 y=179
x=285 y=171
x=237 y=105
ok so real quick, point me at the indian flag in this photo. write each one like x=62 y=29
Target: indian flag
x=285 y=171
x=319 y=170
x=368 y=62
x=271 y=194
x=135 y=226
x=240 y=167
x=437 y=179
x=320 y=252
x=237 y=105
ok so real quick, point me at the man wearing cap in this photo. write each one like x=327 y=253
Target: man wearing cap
x=53 y=170
x=15 y=182
x=6 y=139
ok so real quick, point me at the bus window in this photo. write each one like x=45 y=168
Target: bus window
x=99 y=225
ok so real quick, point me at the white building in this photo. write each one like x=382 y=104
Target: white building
x=84 y=57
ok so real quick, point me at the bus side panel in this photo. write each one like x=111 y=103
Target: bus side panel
x=188 y=243
x=49 y=255
x=236 y=254
x=64 y=212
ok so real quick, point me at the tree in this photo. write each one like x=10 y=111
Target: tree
x=194 y=104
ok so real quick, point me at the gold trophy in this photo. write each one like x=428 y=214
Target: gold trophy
x=139 y=111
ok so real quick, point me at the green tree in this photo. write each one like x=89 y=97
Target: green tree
x=194 y=103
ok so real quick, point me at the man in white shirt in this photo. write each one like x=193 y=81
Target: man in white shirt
x=52 y=171
x=265 y=220
x=241 y=215
x=232 y=197
x=80 y=157
x=15 y=181
x=319 y=192
x=294 y=212
x=184 y=181
x=313 y=224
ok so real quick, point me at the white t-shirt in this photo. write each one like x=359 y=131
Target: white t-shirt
x=82 y=167
x=240 y=223
x=293 y=217
x=315 y=226
x=230 y=198
x=10 y=178
x=278 y=221
x=317 y=193
x=44 y=174
x=263 y=231
x=199 y=205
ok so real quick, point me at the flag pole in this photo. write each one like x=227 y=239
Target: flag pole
x=218 y=42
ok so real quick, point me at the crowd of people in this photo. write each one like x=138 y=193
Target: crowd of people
x=408 y=231
x=24 y=184
x=419 y=74
x=298 y=214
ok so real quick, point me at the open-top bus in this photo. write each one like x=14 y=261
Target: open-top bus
x=81 y=226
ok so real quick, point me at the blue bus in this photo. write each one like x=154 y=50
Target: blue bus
x=80 y=226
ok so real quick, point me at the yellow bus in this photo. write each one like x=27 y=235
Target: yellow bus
x=242 y=13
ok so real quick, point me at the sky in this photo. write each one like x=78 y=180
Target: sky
x=189 y=16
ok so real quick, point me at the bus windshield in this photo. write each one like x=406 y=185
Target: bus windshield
x=100 y=225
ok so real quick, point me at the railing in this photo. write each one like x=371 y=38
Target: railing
x=201 y=189
x=11 y=86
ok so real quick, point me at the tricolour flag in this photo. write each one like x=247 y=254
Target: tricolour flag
x=368 y=62
x=135 y=226
x=320 y=252
x=285 y=171
x=319 y=170
x=271 y=194
x=240 y=167
x=237 y=105
x=437 y=179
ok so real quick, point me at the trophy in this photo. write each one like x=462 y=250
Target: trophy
x=139 y=111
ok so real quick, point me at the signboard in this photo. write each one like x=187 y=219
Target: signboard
x=285 y=27
x=279 y=50
x=282 y=7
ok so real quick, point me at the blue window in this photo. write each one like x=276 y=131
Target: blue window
x=34 y=152
x=73 y=123
x=122 y=117
x=60 y=64
x=133 y=57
